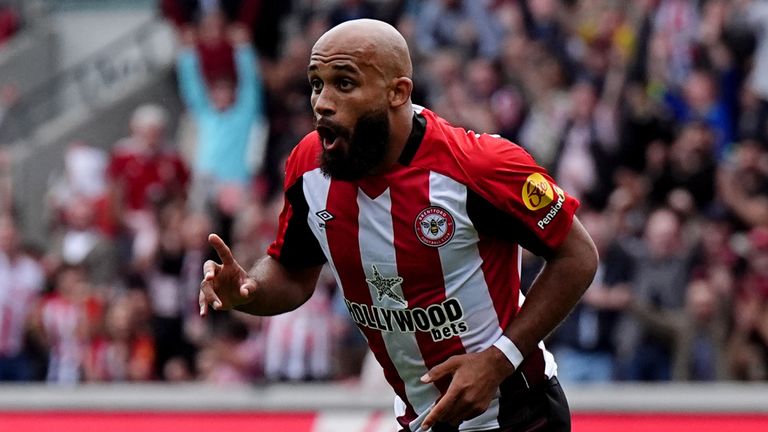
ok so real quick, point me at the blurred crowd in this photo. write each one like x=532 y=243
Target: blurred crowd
x=654 y=113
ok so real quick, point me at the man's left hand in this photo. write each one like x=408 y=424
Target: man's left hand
x=475 y=379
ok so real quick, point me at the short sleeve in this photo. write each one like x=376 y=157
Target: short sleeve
x=509 y=179
x=295 y=245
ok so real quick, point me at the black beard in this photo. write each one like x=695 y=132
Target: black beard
x=367 y=145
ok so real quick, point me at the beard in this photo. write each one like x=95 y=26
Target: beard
x=367 y=144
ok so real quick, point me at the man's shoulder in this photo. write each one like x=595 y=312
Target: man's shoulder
x=465 y=152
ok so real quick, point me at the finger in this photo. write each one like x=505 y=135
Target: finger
x=442 y=409
x=210 y=269
x=221 y=249
x=441 y=370
x=203 y=304
x=210 y=296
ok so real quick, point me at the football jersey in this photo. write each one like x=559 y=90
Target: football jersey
x=428 y=254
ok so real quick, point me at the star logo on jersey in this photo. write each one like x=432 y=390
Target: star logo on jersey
x=385 y=285
x=434 y=226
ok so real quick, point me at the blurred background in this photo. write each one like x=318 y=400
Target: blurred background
x=130 y=129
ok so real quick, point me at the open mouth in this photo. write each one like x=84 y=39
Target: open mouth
x=328 y=137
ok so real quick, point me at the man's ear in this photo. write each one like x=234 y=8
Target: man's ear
x=400 y=91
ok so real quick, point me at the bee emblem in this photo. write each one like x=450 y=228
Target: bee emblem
x=434 y=226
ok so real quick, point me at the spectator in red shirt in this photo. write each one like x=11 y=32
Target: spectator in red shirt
x=9 y=23
x=144 y=172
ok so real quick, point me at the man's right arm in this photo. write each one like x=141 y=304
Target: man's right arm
x=270 y=288
x=279 y=289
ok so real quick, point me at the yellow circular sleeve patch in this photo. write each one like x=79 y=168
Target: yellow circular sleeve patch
x=537 y=193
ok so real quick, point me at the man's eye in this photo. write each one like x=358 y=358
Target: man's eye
x=316 y=84
x=346 y=84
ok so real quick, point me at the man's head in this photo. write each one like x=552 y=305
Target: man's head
x=360 y=73
x=148 y=124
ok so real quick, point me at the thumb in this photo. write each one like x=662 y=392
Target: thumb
x=247 y=288
x=441 y=370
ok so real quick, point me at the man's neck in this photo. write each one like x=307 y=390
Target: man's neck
x=400 y=129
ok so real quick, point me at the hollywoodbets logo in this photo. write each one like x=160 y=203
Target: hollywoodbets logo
x=443 y=320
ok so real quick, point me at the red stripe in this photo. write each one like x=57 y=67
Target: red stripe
x=419 y=265
x=157 y=421
x=275 y=249
x=499 y=264
x=344 y=245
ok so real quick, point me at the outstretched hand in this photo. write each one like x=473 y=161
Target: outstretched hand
x=475 y=379
x=226 y=285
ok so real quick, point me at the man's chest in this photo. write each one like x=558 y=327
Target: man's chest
x=399 y=238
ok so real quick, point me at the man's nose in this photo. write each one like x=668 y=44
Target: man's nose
x=324 y=105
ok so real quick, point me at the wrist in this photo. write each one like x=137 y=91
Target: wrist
x=508 y=354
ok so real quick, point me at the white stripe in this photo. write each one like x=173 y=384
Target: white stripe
x=377 y=247
x=464 y=280
x=316 y=187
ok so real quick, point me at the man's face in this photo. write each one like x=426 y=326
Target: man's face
x=222 y=94
x=349 y=100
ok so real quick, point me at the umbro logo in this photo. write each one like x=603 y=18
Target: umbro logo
x=324 y=215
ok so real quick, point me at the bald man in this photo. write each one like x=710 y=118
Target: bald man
x=421 y=223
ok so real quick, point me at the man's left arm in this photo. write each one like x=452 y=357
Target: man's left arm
x=568 y=271
x=561 y=283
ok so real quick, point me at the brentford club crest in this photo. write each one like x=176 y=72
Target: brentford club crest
x=434 y=226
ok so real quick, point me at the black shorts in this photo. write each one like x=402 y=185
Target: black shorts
x=540 y=408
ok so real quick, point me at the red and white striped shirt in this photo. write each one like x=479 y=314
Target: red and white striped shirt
x=21 y=281
x=428 y=254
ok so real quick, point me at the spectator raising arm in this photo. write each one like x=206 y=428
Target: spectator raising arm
x=191 y=83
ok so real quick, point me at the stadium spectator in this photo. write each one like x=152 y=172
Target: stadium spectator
x=230 y=124
x=78 y=241
x=700 y=101
x=467 y=26
x=742 y=183
x=21 y=282
x=702 y=331
x=586 y=343
x=584 y=160
x=123 y=350
x=662 y=271
x=234 y=355
x=64 y=325
x=83 y=178
x=755 y=14
x=9 y=23
x=749 y=339
x=172 y=285
x=689 y=164
x=144 y=171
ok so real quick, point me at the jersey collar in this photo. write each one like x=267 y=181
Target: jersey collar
x=414 y=139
